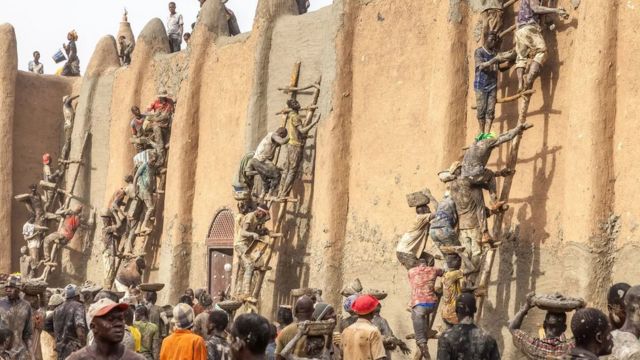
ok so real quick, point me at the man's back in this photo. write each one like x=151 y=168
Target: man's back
x=362 y=341
x=183 y=345
x=467 y=342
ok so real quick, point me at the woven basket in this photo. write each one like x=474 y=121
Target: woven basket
x=34 y=287
x=152 y=287
x=318 y=328
x=230 y=305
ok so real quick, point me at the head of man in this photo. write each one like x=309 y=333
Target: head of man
x=281 y=132
x=172 y=8
x=423 y=209
x=555 y=324
x=324 y=312
x=454 y=261
x=33 y=300
x=632 y=310
x=284 y=316
x=293 y=104
x=54 y=301
x=426 y=259
x=262 y=211
x=46 y=159
x=36 y=56
x=151 y=297
x=12 y=287
x=33 y=188
x=183 y=316
x=218 y=321
x=466 y=306
x=365 y=306
x=491 y=40
x=128 y=316
x=205 y=300
x=186 y=37
x=136 y=111
x=249 y=336
x=190 y=293
x=615 y=304
x=122 y=40
x=106 y=320
x=140 y=264
x=6 y=339
x=142 y=313
x=71 y=292
x=303 y=310
x=591 y=331
x=77 y=209
x=347 y=304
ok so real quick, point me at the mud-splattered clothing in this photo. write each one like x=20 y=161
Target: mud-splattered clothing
x=149 y=339
x=385 y=330
x=469 y=204
x=467 y=342
x=450 y=291
x=217 y=348
x=16 y=316
x=526 y=15
x=414 y=241
x=91 y=353
x=541 y=349
x=296 y=138
x=580 y=354
x=286 y=335
x=67 y=319
x=530 y=44
x=362 y=341
x=626 y=345
x=476 y=157
x=422 y=280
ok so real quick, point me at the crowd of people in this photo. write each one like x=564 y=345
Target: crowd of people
x=88 y=322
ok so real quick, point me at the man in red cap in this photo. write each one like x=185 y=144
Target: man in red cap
x=106 y=320
x=362 y=340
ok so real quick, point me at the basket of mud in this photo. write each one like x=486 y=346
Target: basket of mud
x=229 y=305
x=151 y=287
x=35 y=287
x=306 y=291
x=90 y=288
x=354 y=287
x=378 y=294
x=557 y=302
x=317 y=328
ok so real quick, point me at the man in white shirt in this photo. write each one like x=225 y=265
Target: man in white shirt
x=35 y=66
x=175 y=28
x=262 y=161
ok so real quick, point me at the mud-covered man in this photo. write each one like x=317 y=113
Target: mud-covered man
x=298 y=133
x=553 y=345
x=262 y=161
x=130 y=274
x=110 y=239
x=160 y=121
x=413 y=242
x=251 y=229
x=71 y=221
x=145 y=183
x=68 y=323
x=626 y=345
x=592 y=334
x=15 y=315
x=126 y=48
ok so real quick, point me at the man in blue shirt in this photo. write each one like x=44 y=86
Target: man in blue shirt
x=487 y=64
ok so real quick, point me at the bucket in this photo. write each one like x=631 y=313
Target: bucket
x=59 y=57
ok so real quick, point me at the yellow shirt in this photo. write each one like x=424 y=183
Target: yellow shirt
x=450 y=292
x=362 y=341
x=137 y=338
x=293 y=121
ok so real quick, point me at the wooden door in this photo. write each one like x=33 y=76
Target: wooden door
x=219 y=279
x=220 y=251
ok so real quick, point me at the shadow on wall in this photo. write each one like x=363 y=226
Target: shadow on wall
x=292 y=271
x=520 y=260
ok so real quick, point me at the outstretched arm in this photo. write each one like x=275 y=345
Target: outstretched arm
x=543 y=10
x=516 y=323
x=510 y=135
x=305 y=129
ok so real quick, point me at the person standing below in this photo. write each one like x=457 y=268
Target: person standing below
x=553 y=345
x=47 y=340
x=69 y=323
x=303 y=311
x=615 y=304
x=175 y=28
x=149 y=334
x=422 y=280
x=453 y=282
x=35 y=66
x=150 y=299
x=465 y=340
x=362 y=340
x=72 y=66
x=106 y=319
x=217 y=345
x=626 y=345
x=183 y=344
x=592 y=333
x=15 y=315
x=205 y=304
x=250 y=337
x=6 y=343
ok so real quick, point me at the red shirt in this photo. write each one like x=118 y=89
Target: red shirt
x=422 y=279
x=159 y=106
x=69 y=226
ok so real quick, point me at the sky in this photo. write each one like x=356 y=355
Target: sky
x=43 y=25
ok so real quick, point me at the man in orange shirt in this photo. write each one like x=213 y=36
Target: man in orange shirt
x=70 y=223
x=183 y=344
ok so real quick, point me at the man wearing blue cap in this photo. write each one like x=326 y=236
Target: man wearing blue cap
x=68 y=323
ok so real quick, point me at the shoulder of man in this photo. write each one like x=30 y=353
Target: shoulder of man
x=132 y=355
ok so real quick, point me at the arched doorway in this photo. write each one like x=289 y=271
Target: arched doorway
x=220 y=251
